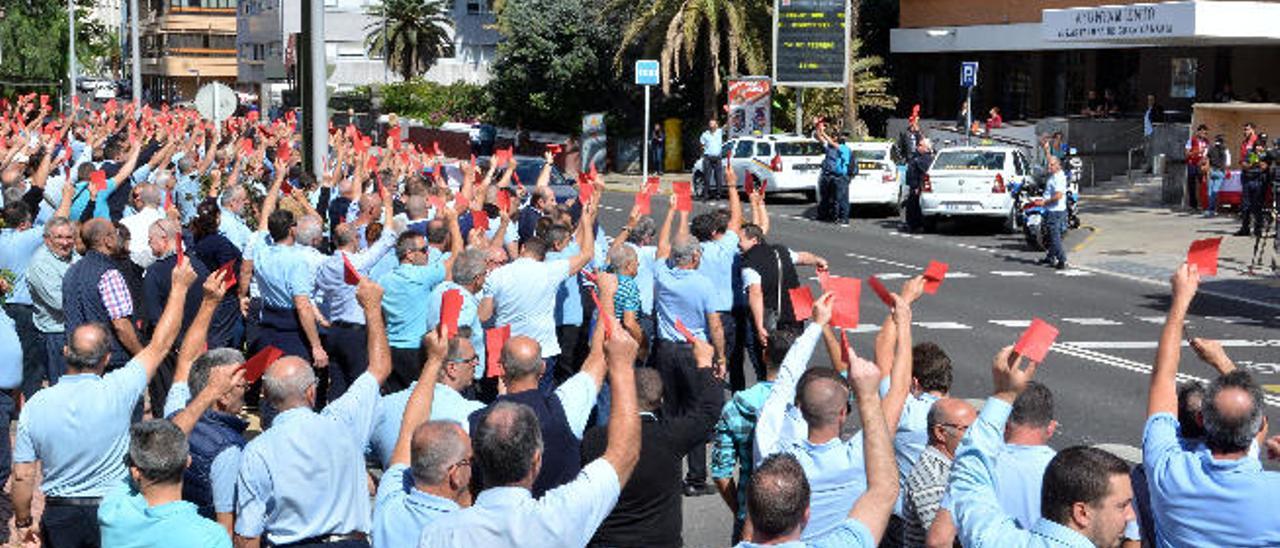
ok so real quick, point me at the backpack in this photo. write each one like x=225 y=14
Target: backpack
x=850 y=163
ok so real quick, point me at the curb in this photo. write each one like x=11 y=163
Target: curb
x=1093 y=231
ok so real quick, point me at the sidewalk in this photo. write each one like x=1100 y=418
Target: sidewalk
x=1134 y=235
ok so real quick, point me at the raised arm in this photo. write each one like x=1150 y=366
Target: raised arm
x=369 y=295
x=664 y=235
x=735 y=202
x=586 y=238
x=418 y=409
x=1163 y=393
x=222 y=380
x=623 y=448
x=197 y=335
x=872 y=509
x=771 y=424
x=900 y=374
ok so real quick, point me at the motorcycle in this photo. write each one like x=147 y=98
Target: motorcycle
x=1030 y=213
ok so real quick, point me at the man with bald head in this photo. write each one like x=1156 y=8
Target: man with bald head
x=1217 y=494
x=562 y=414
x=78 y=429
x=948 y=420
x=302 y=482
x=151 y=200
x=429 y=472
x=94 y=291
x=510 y=453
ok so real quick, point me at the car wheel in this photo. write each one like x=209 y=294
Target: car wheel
x=1010 y=223
x=809 y=195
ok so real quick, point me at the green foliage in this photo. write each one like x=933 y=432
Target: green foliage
x=33 y=37
x=413 y=33
x=553 y=65
x=434 y=103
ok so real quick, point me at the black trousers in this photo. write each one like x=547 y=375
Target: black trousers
x=406 y=366
x=70 y=527
x=678 y=368
x=735 y=337
x=348 y=348
x=915 y=215
x=1252 y=207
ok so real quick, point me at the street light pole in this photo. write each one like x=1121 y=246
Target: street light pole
x=315 y=109
x=71 y=51
x=137 y=57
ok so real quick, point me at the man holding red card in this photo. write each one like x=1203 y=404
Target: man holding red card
x=768 y=275
x=408 y=287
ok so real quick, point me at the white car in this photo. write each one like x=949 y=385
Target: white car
x=785 y=163
x=973 y=182
x=881 y=175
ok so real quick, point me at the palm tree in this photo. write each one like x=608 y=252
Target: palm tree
x=413 y=34
x=726 y=32
x=867 y=89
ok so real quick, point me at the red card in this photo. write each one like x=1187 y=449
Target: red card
x=286 y=188
x=349 y=272
x=450 y=308
x=371 y=164
x=253 y=116
x=257 y=365
x=44 y=100
x=844 y=308
x=494 y=340
x=1036 y=340
x=881 y=291
x=1204 y=254
x=437 y=203
x=845 y=355
x=284 y=152
x=801 y=302
x=642 y=201
x=228 y=274
x=177 y=247
x=98 y=180
x=246 y=146
x=684 y=195
x=684 y=331
x=554 y=149
x=504 y=200
x=651 y=185
x=749 y=182
x=933 y=276
x=585 y=191
x=479 y=219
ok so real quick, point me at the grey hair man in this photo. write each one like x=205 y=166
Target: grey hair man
x=948 y=420
x=150 y=210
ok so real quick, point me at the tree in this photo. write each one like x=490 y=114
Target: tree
x=412 y=33
x=867 y=89
x=553 y=64
x=33 y=37
x=715 y=37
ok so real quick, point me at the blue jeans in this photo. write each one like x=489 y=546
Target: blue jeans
x=55 y=360
x=32 y=346
x=713 y=172
x=841 y=197
x=1216 y=177
x=7 y=408
x=1055 y=222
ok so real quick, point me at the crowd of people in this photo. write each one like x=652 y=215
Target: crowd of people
x=206 y=343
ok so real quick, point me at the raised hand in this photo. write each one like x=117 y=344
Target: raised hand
x=1008 y=377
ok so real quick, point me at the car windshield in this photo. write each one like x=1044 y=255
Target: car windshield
x=799 y=148
x=870 y=154
x=528 y=170
x=970 y=159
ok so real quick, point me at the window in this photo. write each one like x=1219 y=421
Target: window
x=743 y=149
x=211 y=4
x=800 y=148
x=764 y=149
x=970 y=159
x=479 y=7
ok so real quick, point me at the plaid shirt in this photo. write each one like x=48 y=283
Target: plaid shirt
x=115 y=294
x=926 y=485
x=734 y=438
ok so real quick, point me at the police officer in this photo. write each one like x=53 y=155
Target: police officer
x=302 y=482
x=1253 y=178
x=917 y=167
x=78 y=429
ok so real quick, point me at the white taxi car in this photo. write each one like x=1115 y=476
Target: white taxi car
x=881 y=177
x=973 y=183
x=785 y=163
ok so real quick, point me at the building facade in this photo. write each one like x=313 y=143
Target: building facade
x=267 y=43
x=1043 y=58
x=185 y=43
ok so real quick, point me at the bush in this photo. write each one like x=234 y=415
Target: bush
x=433 y=103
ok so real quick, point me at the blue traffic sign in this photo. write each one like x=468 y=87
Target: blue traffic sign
x=648 y=73
x=969 y=74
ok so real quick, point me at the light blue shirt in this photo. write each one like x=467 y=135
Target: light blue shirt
x=79 y=431
x=568 y=295
x=717 y=266
x=305 y=476
x=17 y=249
x=836 y=469
x=1054 y=184
x=524 y=296
x=681 y=294
x=405 y=291
x=645 y=257
x=282 y=273
x=233 y=227
x=44 y=283
x=401 y=510
x=980 y=520
x=1019 y=472
x=446 y=405
x=712 y=141
x=127 y=521
x=510 y=517
x=1198 y=500
x=338 y=298
x=187 y=195
x=10 y=353
x=468 y=316
x=850 y=533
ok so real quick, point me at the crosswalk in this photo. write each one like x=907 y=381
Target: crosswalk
x=1023 y=323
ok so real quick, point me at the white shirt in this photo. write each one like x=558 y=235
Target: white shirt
x=509 y=516
x=139 y=225
x=524 y=295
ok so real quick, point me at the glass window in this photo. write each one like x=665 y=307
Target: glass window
x=870 y=154
x=743 y=149
x=763 y=149
x=970 y=159
x=800 y=148
x=479 y=7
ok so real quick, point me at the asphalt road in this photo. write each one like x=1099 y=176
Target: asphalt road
x=1109 y=324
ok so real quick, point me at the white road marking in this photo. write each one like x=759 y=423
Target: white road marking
x=892 y=276
x=1012 y=323
x=1152 y=345
x=884 y=261
x=1070 y=349
x=1074 y=272
x=865 y=328
x=1011 y=273
x=1158 y=320
x=941 y=325
x=1234 y=320
x=958 y=275
x=1091 y=321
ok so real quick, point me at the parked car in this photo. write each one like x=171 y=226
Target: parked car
x=881 y=178
x=527 y=170
x=785 y=163
x=973 y=183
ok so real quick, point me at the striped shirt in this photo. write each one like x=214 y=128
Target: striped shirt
x=925 y=487
x=627 y=299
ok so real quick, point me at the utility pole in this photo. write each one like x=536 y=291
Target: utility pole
x=315 y=110
x=137 y=57
x=71 y=52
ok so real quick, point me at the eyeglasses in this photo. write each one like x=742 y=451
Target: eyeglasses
x=959 y=427
x=473 y=360
x=464 y=462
